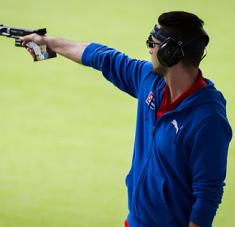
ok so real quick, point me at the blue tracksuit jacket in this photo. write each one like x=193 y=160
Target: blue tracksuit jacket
x=179 y=161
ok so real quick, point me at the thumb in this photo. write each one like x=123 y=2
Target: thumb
x=31 y=38
x=27 y=38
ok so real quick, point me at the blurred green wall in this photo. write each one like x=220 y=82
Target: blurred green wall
x=66 y=134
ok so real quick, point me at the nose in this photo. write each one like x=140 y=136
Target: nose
x=150 y=51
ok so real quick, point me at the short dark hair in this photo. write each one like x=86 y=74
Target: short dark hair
x=186 y=27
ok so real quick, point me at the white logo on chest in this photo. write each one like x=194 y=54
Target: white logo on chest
x=175 y=124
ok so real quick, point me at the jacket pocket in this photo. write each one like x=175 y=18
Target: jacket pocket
x=150 y=203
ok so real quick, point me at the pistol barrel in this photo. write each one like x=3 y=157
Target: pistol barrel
x=18 y=32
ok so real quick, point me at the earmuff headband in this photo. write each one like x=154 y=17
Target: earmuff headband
x=162 y=35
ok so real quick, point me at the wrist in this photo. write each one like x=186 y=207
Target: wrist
x=49 y=41
x=46 y=40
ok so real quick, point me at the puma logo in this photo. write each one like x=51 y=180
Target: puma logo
x=175 y=124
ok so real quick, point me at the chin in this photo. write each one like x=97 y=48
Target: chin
x=160 y=70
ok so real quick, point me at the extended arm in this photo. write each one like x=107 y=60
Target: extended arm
x=124 y=72
x=69 y=49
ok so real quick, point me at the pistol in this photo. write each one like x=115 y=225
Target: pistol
x=16 y=33
x=41 y=52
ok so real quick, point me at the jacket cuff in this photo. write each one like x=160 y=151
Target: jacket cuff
x=203 y=213
x=88 y=53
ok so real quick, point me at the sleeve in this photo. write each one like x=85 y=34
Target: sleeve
x=208 y=162
x=122 y=71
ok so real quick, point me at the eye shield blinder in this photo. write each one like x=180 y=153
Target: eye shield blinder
x=159 y=34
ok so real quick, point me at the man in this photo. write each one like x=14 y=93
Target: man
x=182 y=133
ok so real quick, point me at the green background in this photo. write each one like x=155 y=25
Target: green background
x=66 y=135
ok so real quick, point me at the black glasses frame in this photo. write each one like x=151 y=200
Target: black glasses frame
x=150 y=43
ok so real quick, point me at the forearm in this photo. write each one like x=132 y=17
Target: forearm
x=69 y=49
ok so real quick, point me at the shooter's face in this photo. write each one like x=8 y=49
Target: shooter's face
x=157 y=67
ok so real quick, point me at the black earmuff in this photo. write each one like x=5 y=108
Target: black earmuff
x=170 y=52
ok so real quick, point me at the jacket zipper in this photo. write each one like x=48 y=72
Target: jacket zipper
x=144 y=172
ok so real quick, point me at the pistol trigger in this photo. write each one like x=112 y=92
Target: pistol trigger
x=18 y=42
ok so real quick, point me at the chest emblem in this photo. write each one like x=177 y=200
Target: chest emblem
x=175 y=124
x=150 y=100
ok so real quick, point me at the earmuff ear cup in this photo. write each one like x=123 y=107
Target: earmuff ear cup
x=170 y=53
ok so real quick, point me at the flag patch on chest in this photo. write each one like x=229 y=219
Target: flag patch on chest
x=150 y=100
